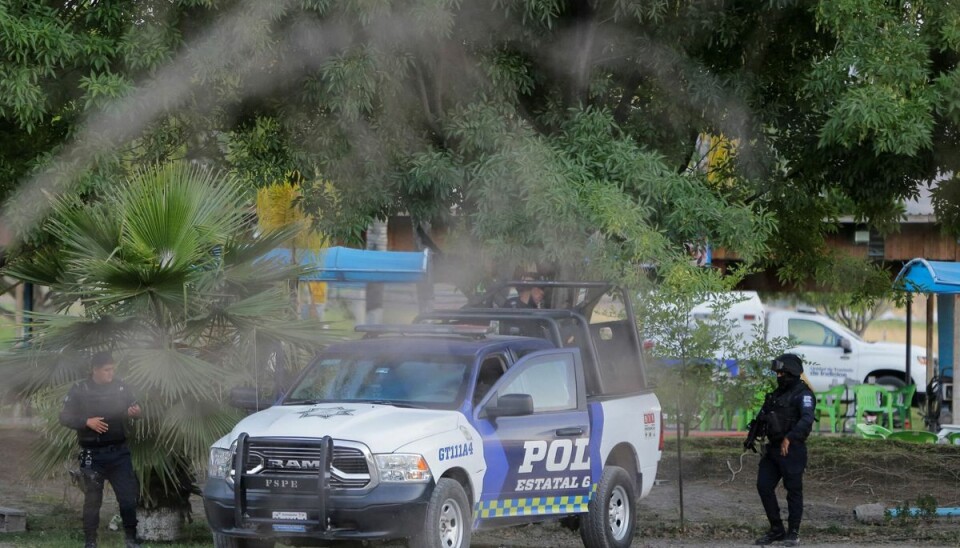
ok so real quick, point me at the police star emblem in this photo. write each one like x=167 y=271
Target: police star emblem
x=326 y=412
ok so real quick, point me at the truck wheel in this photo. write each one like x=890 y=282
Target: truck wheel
x=889 y=380
x=611 y=517
x=223 y=541
x=448 y=521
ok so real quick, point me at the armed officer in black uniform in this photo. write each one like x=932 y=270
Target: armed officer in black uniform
x=98 y=408
x=788 y=412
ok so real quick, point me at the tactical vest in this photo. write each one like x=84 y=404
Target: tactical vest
x=107 y=401
x=784 y=413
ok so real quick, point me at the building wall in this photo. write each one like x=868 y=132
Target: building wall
x=921 y=240
x=912 y=241
x=400 y=234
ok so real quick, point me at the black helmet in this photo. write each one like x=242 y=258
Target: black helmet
x=788 y=363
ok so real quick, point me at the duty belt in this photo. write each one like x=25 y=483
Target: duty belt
x=105 y=448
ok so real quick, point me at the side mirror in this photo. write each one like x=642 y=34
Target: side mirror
x=845 y=345
x=245 y=397
x=510 y=405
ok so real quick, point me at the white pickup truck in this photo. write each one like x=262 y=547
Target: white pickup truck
x=466 y=420
x=832 y=353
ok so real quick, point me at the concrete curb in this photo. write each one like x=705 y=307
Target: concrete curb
x=870 y=513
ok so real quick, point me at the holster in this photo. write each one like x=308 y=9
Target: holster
x=86 y=479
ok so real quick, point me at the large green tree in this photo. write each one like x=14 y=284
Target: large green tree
x=544 y=130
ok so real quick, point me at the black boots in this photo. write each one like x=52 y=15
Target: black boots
x=131 y=539
x=771 y=536
x=789 y=538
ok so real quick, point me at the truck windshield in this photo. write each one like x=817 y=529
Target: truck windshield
x=850 y=334
x=407 y=381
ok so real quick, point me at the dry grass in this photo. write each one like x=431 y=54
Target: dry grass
x=895 y=331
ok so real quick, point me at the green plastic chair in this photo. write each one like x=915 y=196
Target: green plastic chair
x=872 y=431
x=829 y=402
x=903 y=403
x=874 y=398
x=953 y=438
x=913 y=436
x=711 y=409
x=743 y=416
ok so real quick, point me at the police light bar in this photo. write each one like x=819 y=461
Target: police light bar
x=477 y=331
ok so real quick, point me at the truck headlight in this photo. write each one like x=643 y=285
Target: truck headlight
x=220 y=461
x=398 y=467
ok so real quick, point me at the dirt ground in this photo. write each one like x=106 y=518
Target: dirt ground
x=721 y=507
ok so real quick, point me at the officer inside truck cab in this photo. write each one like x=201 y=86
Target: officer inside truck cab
x=789 y=419
x=527 y=296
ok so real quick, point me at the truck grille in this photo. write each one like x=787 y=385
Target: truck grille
x=349 y=469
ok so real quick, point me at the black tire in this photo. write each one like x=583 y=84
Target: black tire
x=611 y=519
x=449 y=518
x=223 y=541
x=890 y=380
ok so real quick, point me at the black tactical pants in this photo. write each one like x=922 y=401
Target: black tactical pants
x=773 y=468
x=111 y=464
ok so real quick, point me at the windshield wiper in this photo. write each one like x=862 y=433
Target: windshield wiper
x=301 y=402
x=393 y=403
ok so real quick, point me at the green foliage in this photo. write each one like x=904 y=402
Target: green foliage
x=394 y=124
x=927 y=505
x=505 y=120
x=690 y=350
x=256 y=153
x=904 y=514
x=163 y=272
x=946 y=206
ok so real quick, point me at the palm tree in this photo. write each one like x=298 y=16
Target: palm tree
x=166 y=272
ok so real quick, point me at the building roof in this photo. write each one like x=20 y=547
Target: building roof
x=916 y=210
x=922 y=206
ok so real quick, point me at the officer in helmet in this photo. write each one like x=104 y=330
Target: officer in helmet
x=789 y=419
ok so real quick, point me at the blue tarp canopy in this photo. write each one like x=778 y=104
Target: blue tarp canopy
x=941 y=278
x=923 y=276
x=342 y=264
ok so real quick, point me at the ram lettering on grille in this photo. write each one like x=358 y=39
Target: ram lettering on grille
x=349 y=469
x=293 y=464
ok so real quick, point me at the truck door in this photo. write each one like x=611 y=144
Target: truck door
x=826 y=361
x=537 y=440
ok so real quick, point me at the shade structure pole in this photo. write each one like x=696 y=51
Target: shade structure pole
x=909 y=335
x=955 y=400
x=929 y=346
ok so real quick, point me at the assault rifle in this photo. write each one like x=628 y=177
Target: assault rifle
x=758 y=426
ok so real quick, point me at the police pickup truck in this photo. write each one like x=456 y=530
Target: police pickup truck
x=465 y=420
